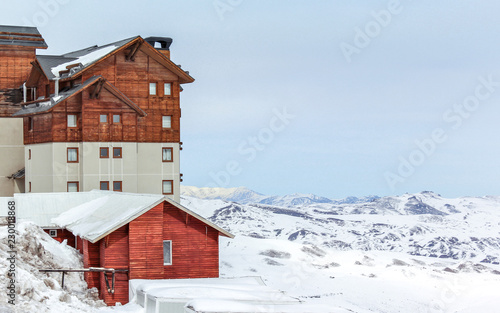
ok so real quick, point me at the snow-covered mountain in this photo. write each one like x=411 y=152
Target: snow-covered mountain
x=244 y=195
x=409 y=253
x=423 y=224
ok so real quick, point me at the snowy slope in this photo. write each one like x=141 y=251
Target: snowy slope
x=409 y=253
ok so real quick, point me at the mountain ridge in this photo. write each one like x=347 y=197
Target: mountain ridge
x=245 y=195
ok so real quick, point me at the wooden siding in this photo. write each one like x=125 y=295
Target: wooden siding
x=132 y=78
x=15 y=66
x=146 y=245
x=195 y=245
x=114 y=250
x=91 y=258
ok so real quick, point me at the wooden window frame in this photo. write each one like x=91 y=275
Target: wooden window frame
x=162 y=124
x=76 y=120
x=156 y=89
x=117 y=149
x=121 y=185
x=77 y=155
x=104 y=182
x=53 y=233
x=100 y=118
x=113 y=118
x=163 y=189
x=170 y=89
x=171 y=155
x=170 y=253
x=107 y=152
x=73 y=182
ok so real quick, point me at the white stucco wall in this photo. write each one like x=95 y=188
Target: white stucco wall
x=11 y=154
x=140 y=169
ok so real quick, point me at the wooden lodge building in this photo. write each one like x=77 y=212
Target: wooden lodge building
x=104 y=117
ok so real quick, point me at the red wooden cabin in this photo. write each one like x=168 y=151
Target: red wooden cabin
x=149 y=236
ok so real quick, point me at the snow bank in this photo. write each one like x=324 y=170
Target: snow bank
x=41 y=292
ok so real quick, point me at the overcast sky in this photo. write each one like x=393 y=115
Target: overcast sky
x=335 y=98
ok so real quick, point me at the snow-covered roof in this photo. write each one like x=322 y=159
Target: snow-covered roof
x=249 y=290
x=40 y=208
x=53 y=65
x=72 y=64
x=91 y=215
x=49 y=103
x=108 y=211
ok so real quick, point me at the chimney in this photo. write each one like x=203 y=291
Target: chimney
x=161 y=44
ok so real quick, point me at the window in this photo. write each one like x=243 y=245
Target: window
x=53 y=233
x=29 y=154
x=168 y=187
x=71 y=120
x=167 y=89
x=30 y=123
x=152 y=89
x=72 y=155
x=166 y=154
x=167 y=252
x=73 y=186
x=166 y=121
x=117 y=153
x=103 y=118
x=116 y=119
x=104 y=185
x=104 y=152
x=29 y=187
x=117 y=186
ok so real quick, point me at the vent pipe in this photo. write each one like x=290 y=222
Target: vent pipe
x=25 y=93
x=56 y=92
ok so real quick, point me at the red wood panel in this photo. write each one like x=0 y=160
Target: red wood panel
x=91 y=258
x=146 y=245
x=195 y=245
x=114 y=254
x=132 y=78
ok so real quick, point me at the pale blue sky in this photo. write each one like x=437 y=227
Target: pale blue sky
x=363 y=79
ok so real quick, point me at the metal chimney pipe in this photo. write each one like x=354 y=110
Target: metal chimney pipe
x=25 y=93
x=56 y=92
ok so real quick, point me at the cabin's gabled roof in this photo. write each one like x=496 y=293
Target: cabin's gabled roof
x=92 y=214
x=45 y=105
x=73 y=64
x=56 y=66
x=98 y=218
x=21 y=36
